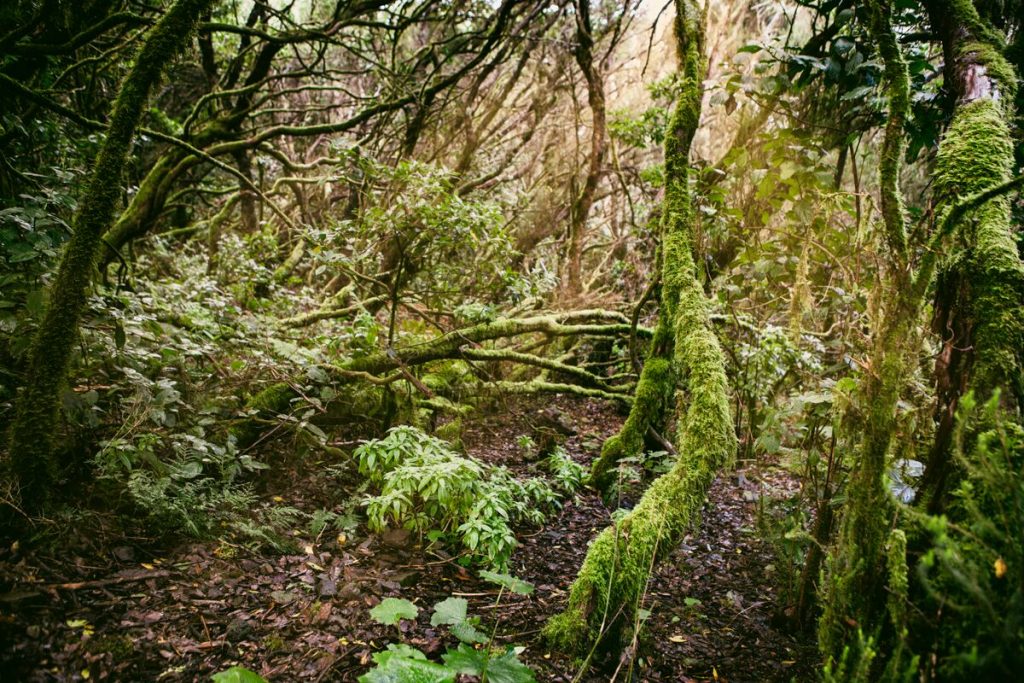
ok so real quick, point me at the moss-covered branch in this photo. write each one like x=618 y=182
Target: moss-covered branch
x=614 y=574
x=35 y=423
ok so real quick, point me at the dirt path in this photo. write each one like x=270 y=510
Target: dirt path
x=133 y=612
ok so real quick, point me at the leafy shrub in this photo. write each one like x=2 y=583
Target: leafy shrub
x=473 y=656
x=974 y=573
x=427 y=487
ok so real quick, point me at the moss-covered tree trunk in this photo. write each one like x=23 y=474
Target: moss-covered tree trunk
x=979 y=303
x=614 y=574
x=31 y=442
x=971 y=183
x=854 y=590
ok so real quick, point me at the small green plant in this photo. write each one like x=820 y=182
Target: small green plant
x=430 y=489
x=237 y=674
x=475 y=655
x=390 y=611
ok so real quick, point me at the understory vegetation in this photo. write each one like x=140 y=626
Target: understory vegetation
x=511 y=341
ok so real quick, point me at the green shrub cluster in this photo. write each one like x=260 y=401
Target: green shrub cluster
x=427 y=487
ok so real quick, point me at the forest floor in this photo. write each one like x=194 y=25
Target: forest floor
x=106 y=607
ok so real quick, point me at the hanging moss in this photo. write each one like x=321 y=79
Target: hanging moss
x=35 y=422
x=853 y=591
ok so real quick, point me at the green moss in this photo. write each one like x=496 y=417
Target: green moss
x=897 y=79
x=653 y=394
x=273 y=400
x=614 y=574
x=451 y=432
x=975 y=154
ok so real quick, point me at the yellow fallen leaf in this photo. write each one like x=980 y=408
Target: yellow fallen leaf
x=308 y=548
x=714 y=673
x=277 y=499
x=146 y=565
x=342 y=539
x=677 y=639
x=85 y=674
x=1000 y=567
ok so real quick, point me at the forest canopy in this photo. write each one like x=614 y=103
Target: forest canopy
x=514 y=340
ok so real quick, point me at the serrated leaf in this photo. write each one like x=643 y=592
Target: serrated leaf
x=467 y=633
x=450 y=611
x=465 y=660
x=400 y=669
x=511 y=583
x=507 y=668
x=392 y=610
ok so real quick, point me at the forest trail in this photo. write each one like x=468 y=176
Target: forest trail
x=134 y=612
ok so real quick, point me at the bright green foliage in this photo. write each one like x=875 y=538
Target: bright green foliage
x=974 y=573
x=401 y=663
x=390 y=611
x=404 y=664
x=449 y=611
x=425 y=486
x=500 y=668
x=508 y=582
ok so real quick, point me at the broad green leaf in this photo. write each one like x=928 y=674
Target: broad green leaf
x=397 y=650
x=467 y=633
x=466 y=660
x=392 y=610
x=507 y=668
x=450 y=611
x=238 y=674
x=510 y=582
x=399 y=669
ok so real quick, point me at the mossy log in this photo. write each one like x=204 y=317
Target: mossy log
x=385 y=367
x=35 y=423
x=614 y=575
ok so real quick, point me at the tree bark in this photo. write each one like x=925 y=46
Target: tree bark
x=979 y=302
x=580 y=211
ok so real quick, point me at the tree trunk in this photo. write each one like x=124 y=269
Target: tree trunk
x=611 y=582
x=978 y=304
x=580 y=210
x=854 y=593
x=31 y=452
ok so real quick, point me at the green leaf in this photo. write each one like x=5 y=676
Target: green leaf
x=392 y=610
x=467 y=633
x=238 y=674
x=450 y=611
x=466 y=660
x=397 y=668
x=397 y=650
x=507 y=668
x=511 y=583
